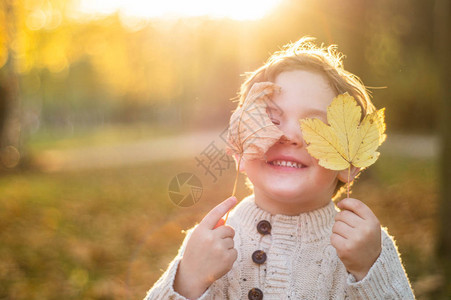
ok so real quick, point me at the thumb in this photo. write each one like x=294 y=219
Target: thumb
x=215 y=215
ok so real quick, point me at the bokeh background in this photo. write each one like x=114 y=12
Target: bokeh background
x=102 y=104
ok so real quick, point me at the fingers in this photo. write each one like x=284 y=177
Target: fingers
x=356 y=235
x=354 y=217
x=349 y=218
x=233 y=254
x=337 y=241
x=342 y=229
x=213 y=217
x=225 y=231
x=357 y=207
x=228 y=243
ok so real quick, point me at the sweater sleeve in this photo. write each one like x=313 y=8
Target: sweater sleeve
x=386 y=279
x=164 y=287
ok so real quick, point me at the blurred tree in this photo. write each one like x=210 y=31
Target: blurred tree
x=22 y=50
x=76 y=70
x=443 y=46
x=9 y=90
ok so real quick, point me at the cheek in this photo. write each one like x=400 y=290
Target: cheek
x=326 y=176
x=253 y=170
x=247 y=166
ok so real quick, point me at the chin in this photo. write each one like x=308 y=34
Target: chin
x=288 y=195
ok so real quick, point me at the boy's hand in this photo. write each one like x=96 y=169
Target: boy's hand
x=356 y=235
x=209 y=253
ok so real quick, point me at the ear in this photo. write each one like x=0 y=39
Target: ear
x=242 y=163
x=343 y=175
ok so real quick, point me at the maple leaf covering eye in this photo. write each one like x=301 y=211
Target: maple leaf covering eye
x=251 y=131
x=346 y=141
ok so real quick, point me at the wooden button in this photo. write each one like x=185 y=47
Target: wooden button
x=259 y=257
x=264 y=227
x=255 y=294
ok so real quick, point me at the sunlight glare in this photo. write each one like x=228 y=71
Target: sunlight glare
x=234 y=9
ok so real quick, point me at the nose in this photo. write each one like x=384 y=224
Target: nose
x=292 y=134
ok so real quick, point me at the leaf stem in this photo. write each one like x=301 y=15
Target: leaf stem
x=347 y=184
x=235 y=184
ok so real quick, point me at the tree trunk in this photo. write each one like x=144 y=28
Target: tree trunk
x=443 y=47
x=10 y=117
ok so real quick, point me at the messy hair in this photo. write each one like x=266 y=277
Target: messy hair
x=305 y=55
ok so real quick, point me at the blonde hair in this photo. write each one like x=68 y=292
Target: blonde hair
x=305 y=55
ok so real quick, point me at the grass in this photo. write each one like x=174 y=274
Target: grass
x=106 y=135
x=109 y=234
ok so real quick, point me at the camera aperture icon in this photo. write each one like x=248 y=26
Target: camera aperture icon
x=185 y=189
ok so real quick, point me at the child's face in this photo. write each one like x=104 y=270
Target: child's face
x=286 y=189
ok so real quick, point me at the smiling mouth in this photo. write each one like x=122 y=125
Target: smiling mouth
x=286 y=163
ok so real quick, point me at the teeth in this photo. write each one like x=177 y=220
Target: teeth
x=284 y=163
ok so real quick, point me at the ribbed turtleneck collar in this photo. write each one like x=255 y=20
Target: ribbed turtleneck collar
x=307 y=227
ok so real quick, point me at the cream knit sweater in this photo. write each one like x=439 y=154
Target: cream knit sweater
x=301 y=263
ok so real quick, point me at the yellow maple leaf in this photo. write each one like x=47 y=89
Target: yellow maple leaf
x=345 y=141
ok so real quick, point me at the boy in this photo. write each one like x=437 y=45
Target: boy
x=287 y=240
